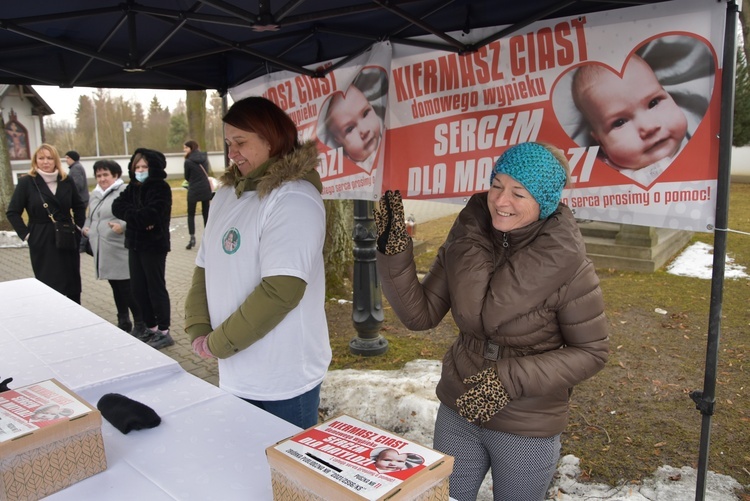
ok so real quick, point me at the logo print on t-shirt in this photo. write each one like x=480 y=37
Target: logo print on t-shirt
x=230 y=242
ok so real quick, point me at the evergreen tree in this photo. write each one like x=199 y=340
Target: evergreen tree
x=138 y=130
x=157 y=127
x=178 y=132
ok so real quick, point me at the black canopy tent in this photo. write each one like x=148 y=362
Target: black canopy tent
x=219 y=44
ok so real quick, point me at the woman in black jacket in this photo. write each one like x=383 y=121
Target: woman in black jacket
x=146 y=206
x=47 y=182
x=199 y=187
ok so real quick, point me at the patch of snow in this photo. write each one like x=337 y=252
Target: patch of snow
x=10 y=239
x=666 y=484
x=404 y=402
x=697 y=261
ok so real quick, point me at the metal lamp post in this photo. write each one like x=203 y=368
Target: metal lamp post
x=96 y=128
x=126 y=126
x=367 y=311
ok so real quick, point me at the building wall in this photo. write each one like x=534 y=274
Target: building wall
x=175 y=164
x=32 y=123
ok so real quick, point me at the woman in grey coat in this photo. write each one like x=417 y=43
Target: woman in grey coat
x=106 y=235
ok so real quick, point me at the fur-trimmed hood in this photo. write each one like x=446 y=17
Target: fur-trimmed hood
x=157 y=164
x=301 y=163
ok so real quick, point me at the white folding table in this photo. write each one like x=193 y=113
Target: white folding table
x=210 y=444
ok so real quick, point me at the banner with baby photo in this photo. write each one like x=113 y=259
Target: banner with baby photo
x=632 y=97
x=344 y=112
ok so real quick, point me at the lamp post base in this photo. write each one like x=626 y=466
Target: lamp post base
x=368 y=347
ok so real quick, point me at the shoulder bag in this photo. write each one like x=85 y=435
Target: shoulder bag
x=212 y=181
x=65 y=231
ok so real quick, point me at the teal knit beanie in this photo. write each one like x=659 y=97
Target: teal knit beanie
x=537 y=169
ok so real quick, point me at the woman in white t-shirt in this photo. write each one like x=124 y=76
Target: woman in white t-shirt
x=257 y=298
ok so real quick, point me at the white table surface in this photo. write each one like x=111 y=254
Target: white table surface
x=210 y=444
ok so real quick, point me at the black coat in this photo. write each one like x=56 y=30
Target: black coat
x=199 y=189
x=146 y=207
x=60 y=269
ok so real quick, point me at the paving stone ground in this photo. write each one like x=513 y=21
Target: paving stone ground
x=97 y=296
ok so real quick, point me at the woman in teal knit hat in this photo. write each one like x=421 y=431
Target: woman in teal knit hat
x=526 y=299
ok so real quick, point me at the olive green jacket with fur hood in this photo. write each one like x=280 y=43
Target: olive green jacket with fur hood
x=275 y=296
x=527 y=301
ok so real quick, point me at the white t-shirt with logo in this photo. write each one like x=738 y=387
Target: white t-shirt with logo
x=245 y=240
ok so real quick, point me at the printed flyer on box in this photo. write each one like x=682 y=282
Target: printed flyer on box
x=35 y=406
x=359 y=457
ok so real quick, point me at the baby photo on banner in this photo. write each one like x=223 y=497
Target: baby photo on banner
x=631 y=96
x=345 y=112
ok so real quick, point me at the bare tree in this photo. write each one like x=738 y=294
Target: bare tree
x=6 y=180
x=214 y=125
x=196 y=117
x=745 y=23
x=337 y=251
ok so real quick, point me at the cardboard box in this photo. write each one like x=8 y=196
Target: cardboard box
x=345 y=458
x=50 y=438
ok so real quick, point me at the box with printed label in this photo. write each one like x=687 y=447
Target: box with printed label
x=345 y=458
x=50 y=438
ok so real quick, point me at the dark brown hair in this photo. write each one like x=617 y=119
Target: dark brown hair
x=193 y=145
x=263 y=117
x=110 y=165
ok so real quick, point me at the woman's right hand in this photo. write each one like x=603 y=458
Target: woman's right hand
x=85 y=231
x=200 y=347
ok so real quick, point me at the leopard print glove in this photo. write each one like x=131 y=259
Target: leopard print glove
x=485 y=399
x=390 y=223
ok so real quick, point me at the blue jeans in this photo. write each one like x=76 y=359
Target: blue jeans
x=301 y=410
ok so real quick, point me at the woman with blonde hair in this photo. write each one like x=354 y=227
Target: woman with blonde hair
x=47 y=184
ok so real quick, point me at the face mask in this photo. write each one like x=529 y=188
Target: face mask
x=141 y=176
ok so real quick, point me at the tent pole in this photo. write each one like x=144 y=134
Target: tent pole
x=705 y=400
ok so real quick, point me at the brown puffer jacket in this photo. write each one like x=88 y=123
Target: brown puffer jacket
x=527 y=301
